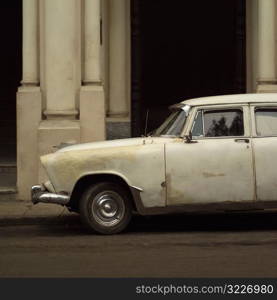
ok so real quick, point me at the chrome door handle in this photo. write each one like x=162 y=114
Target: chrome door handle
x=242 y=141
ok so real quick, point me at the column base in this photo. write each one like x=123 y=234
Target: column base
x=92 y=113
x=61 y=114
x=118 y=128
x=52 y=133
x=118 y=114
x=267 y=88
x=28 y=110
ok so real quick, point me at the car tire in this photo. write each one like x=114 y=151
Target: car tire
x=105 y=208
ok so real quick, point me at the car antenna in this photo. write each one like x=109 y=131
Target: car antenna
x=146 y=122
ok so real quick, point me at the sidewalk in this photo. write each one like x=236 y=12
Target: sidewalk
x=14 y=212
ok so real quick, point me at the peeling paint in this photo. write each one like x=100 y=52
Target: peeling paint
x=141 y=164
x=208 y=174
x=211 y=171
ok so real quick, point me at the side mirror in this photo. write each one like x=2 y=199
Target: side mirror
x=188 y=138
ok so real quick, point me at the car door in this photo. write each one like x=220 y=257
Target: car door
x=217 y=165
x=264 y=124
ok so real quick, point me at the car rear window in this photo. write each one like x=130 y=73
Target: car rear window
x=266 y=121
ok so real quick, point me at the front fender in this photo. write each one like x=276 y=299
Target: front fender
x=142 y=166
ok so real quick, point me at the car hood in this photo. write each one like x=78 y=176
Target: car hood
x=113 y=143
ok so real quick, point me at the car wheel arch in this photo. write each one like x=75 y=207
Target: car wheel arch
x=89 y=179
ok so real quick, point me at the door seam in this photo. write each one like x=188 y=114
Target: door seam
x=252 y=152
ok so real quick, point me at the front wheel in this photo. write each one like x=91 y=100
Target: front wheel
x=105 y=207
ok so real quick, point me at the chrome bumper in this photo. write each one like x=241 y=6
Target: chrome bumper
x=40 y=194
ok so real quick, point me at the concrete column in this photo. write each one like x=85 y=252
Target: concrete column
x=118 y=104
x=61 y=79
x=60 y=61
x=28 y=106
x=266 y=46
x=92 y=42
x=105 y=50
x=30 y=43
x=92 y=100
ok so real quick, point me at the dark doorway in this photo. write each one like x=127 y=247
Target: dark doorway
x=10 y=75
x=184 y=49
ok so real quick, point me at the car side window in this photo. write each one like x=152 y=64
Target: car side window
x=266 y=121
x=218 y=123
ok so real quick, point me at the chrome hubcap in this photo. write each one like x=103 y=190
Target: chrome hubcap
x=108 y=208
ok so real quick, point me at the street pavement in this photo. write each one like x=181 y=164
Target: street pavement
x=48 y=241
x=24 y=211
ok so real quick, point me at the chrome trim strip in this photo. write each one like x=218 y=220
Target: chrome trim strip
x=185 y=107
x=136 y=188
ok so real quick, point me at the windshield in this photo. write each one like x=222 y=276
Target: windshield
x=173 y=125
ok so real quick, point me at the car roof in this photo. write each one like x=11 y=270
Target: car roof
x=232 y=99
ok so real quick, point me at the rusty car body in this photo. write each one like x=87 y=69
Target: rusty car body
x=213 y=153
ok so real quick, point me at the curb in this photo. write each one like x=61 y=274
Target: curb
x=39 y=220
x=18 y=212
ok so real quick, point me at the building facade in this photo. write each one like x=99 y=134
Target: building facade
x=93 y=69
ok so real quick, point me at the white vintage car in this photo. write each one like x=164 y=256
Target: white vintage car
x=211 y=154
